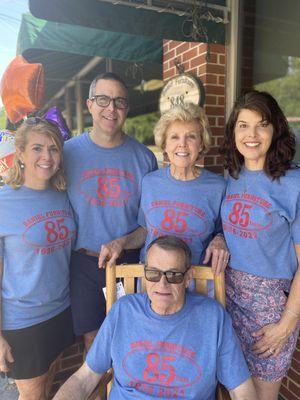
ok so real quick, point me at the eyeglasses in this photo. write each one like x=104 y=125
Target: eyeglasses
x=154 y=275
x=104 y=101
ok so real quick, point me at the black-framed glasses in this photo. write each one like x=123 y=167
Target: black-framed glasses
x=104 y=101
x=154 y=275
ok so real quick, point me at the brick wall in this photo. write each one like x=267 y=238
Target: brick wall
x=211 y=72
x=64 y=367
x=290 y=389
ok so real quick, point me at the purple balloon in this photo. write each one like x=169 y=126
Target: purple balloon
x=54 y=115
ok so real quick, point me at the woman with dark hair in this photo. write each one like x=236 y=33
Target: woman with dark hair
x=261 y=222
x=36 y=233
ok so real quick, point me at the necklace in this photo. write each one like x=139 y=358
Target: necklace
x=247 y=184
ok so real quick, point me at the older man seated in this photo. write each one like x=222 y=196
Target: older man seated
x=166 y=343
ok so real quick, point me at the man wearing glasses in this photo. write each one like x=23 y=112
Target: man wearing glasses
x=166 y=343
x=104 y=168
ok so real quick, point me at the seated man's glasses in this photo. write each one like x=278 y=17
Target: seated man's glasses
x=154 y=275
x=104 y=101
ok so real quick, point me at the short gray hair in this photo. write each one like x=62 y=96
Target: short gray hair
x=109 y=76
x=186 y=113
x=173 y=243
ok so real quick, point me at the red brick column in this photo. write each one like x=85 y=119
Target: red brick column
x=211 y=72
x=71 y=360
x=290 y=389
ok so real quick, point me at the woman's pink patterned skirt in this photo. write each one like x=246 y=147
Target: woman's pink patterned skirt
x=254 y=301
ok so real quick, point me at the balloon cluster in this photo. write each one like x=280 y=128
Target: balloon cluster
x=22 y=88
x=22 y=92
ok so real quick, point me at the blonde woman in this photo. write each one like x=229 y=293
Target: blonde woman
x=36 y=232
x=184 y=199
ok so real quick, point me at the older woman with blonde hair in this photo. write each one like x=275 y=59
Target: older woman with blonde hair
x=36 y=232
x=184 y=199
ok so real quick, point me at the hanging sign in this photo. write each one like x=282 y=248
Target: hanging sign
x=181 y=89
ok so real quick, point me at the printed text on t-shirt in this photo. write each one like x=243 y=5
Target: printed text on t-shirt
x=247 y=215
x=169 y=369
x=57 y=231
x=110 y=187
x=178 y=218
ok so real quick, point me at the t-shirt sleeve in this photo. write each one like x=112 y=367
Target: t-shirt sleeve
x=99 y=356
x=296 y=224
x=232 y=369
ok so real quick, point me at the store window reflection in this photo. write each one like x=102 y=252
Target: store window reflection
x=286 y=90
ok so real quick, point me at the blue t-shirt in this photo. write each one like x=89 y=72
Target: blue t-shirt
x=36 y=233
x=182 y=355
x=187 y=209
x=104 y=186
x=261 y=223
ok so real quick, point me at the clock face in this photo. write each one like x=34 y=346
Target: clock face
x=180 y=90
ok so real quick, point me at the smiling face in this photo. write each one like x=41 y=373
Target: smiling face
x=166 y=298
x=41 y=158
x=253 y=138
x=183 y=144
x=108 y=121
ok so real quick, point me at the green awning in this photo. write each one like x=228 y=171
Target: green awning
x=127 y=19
x=41 y=34
x=64 y=50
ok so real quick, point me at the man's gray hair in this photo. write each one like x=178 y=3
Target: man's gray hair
x=109 y=76
x=173 y=243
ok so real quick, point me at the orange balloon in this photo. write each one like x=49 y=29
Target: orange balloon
x=22 y=88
